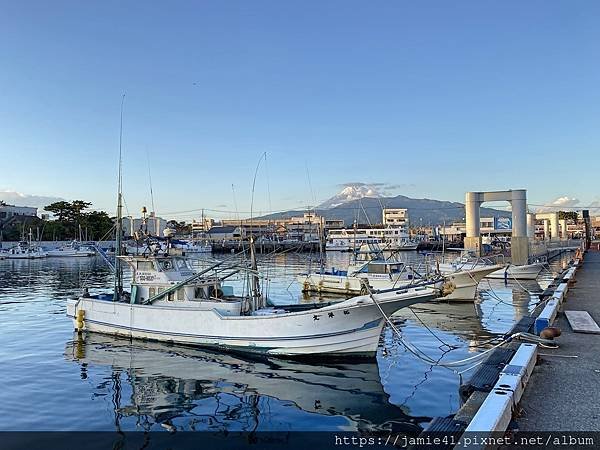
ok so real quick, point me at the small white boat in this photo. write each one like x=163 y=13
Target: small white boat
x=72 y=249
x=392 y=239
x=195 y=247
x=25 y=250
x=402 y=245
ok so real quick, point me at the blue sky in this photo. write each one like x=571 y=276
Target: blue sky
x=434 y=98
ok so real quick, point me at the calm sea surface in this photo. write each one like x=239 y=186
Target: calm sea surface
x=54 y=380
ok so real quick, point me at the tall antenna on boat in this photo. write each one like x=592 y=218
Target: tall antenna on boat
x=256 y=296
x=118 y=267
x=154 y=214
x=237 y=212
x=150 y=180
x=263 y=156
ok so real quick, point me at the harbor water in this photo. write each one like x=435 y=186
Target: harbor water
x=54 y=379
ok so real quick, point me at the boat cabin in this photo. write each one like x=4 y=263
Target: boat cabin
x=154 y=275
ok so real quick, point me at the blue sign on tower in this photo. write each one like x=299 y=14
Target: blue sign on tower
x=502 y=223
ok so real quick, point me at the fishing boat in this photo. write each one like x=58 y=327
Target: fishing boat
x=168 y=301
x=72 y=249
x=369 y=269
x=372 y=269
x=26 y=250
x=345 y=240
x=195 y=247
x=469 y=261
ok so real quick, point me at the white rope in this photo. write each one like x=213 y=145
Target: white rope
x=423 y=356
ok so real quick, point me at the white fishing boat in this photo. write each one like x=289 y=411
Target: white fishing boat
x=26 y=250
x=383 y=273
x=468 y=261
x=390 y=238
x=402 y=245
x=370 y=268
x=72 y=249
x=195 y=247
x=169 y=302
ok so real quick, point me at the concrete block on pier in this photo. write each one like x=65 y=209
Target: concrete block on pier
x=582 y=322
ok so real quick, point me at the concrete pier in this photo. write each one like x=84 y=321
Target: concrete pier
x=563 y=393
x=553 y=389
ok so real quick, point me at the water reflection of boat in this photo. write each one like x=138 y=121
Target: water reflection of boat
x=209 y=391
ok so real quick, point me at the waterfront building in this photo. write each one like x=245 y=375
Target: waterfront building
x=9 y=211
x=396 y=218
x=156 y=225
x=307 y=228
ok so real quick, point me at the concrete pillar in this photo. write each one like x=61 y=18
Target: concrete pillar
x=554 y=227
x=563 y=229
x=531 y=226
x=546 y=229
x=472 y=217
x=519 y=246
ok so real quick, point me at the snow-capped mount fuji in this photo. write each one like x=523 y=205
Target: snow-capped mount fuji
x=363 y=203
x=350 y=193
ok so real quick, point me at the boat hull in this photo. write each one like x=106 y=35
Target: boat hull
x=524 y=272
x=69 y=254
x=350 y=285
x=351 y=327
x=26 y=256
x=465 y=283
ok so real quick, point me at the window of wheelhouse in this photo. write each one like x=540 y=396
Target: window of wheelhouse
x=181 y=264
x=145 y=265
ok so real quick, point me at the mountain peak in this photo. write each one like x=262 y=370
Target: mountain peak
x=349 y=193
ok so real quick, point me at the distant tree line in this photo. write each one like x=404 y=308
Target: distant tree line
x=71 y=221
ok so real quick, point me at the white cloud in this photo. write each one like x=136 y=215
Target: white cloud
x=564 y=202
x=19 y=199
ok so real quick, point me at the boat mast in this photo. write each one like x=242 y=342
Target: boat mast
x=255 y=284
x=119 y=230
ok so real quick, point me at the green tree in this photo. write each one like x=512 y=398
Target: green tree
x=98 y=224
x=62 y=210
x=72 y=215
